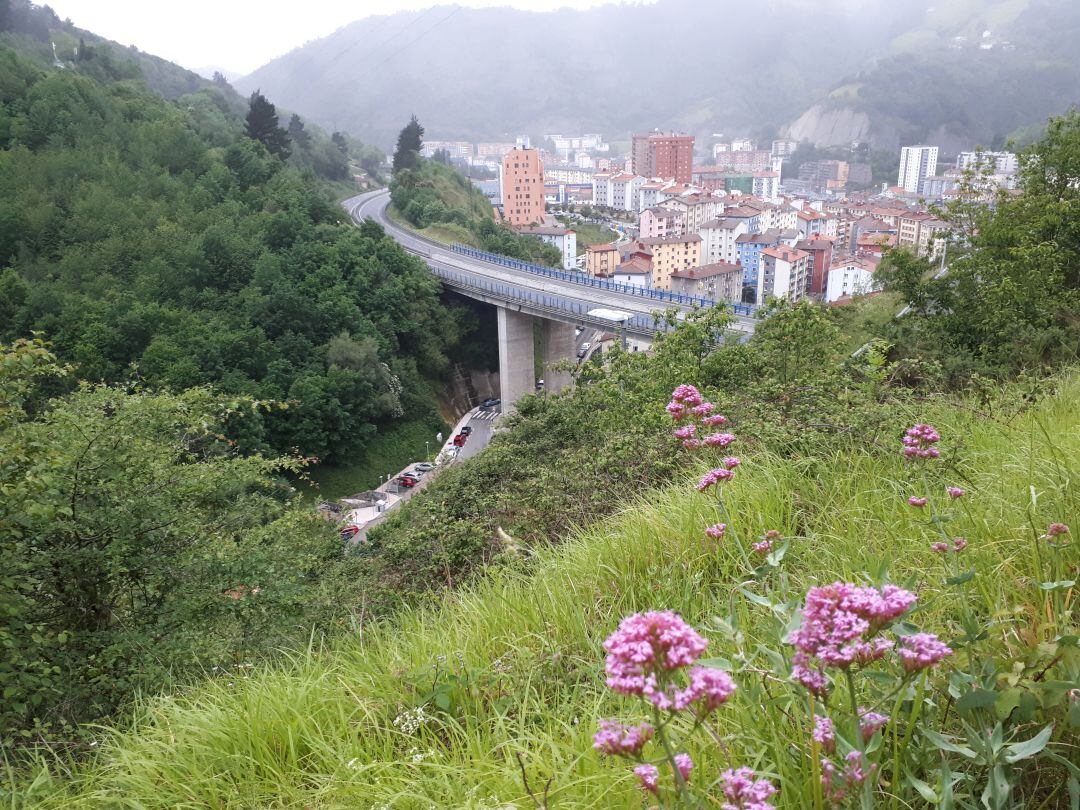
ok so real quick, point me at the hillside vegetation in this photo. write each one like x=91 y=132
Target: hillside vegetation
x=438 y=707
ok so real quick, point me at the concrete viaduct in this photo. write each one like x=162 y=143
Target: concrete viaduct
x=525 y=293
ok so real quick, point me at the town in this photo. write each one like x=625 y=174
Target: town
x=745 y=227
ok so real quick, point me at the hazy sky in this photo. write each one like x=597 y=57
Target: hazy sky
x=241 y=35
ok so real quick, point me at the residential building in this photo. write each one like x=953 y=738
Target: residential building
x=1005 y=163
x=784 y=273
x=718 y=240
x=671 y=254
x=820 y=249
x=563 y=239
x=493 y=150
x=850 y=276
x=653 y=192
x=601 y=188
x=860 y=174
x=743 y=145
x=916 y=163
x=659 y=222
x=718 y=282
x=784 y=148
x=636 y=271
x=766 y=185
x=624 y=191
x=757 y=160
x=523 y=187
x=748 y=247
x=601 y=260
x=694 y=209
x=663 y=155
x=455 y=149
x=575 y=175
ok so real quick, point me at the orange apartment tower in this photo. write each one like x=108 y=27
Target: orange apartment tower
x=523 y=187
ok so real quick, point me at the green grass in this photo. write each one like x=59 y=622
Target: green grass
x=589 y=233
x=388 y=452
x=318 y=730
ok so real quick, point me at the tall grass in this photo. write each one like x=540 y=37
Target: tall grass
x=515 y=662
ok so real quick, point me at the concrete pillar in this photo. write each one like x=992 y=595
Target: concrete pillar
x=559 y=343
x=517 y=370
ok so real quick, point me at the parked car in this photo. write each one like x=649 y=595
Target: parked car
x=584 y=350
x=424 y=466
x=490 y=403
x=460 y=439
x=406 y=481
x=467 y=430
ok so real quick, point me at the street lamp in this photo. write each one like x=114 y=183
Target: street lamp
x=427 y=450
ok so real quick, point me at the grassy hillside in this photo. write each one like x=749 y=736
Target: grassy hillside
x=513 y=667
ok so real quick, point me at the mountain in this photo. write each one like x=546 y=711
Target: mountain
x=491 y=73
x=965 y=73
x=829 y=72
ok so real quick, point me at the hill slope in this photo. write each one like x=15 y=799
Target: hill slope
x=514 y=666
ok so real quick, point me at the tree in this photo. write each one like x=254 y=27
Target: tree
x=340 y=142
x=262 y=126
x=409 y=144
x=300 y=136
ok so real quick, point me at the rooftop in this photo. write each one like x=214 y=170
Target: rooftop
x=708 y=270
x=784 y=253
x=670 y=240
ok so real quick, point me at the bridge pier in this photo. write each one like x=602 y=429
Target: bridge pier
x=559 y=342
x=517 y=369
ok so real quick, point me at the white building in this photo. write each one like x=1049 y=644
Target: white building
x=624 y=191
x=850 y=276
x=784 y=272
x=718 y=240
x=601 y=189
x=743 y=145
x=767 y=185
x=916 y=164
x=563 y=239
x=995 y=162
x=783 y=148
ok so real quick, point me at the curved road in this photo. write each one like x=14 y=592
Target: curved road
x=532 y=293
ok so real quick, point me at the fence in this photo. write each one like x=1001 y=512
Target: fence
x=600 y=283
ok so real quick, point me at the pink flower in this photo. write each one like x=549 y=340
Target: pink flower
x=685 y=765
x=617 y=739
x=719 y=439
x=714 y=419
x=772 y=534
x=921 y=650
x=813 y=679
x=955 y=492
x=704 y=409
x=647 y=643
x=649 y=777
x=687 y=395
x=711 y=688
x=731 y=462
x=713 y=477
x=686 y=432
x=940 y=547
x=870 y=722
x=919 y=502
x=824 y=733
x=919 y=441
x=716 y=531
x=691 y=444
x=838 y=623
x=744 y=792
x=838 y=783
x=1052 y=531
x=763 y=547
x=959 y=543
x=677 y=411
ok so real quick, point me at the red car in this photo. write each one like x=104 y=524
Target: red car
x=406 y=481
x=460 y=439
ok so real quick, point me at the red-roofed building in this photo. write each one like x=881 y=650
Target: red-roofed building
x=783 y=272
x=720 y=281
x=820 y=249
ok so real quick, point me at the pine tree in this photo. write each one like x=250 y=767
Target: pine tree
x=340 y=142
x=409 y=143
x=262 y=126
x=300 y=136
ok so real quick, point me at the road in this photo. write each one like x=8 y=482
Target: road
x=555 y=295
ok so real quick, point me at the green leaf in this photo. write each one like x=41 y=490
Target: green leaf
x=940 y=742
x=1029 y=748
x=924 y=789
x=1060 y=585
x=976 y=699
x=442 y=700
x=967 y=576
x=1006 y=702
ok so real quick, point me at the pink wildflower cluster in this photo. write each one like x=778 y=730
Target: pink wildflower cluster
x=919 y=441
x=921 y=650
x=745 y=792
x=942 y=547
x=688 y=406
x=1055 y=530
x=716 y=531
x=919 y=503
x=617 y=739
x=840 y=626
x=838 y=782
x=956 y=492
x=824 y=732
x=649 y=775
x=644 y=651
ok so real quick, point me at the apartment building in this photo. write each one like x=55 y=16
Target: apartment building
x=523 y=187
x=564 y=239
x=820 y=249
x=601 y=261
x=718 y=282
x=671 y=254
x=850 y=276
x=694 y=209
x=916 y=164
x=718 y=240
x=668 y=156
x=624 y=191
x=659 y=222
x=784 y=273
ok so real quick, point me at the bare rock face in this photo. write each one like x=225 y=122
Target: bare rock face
x=830 y=126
